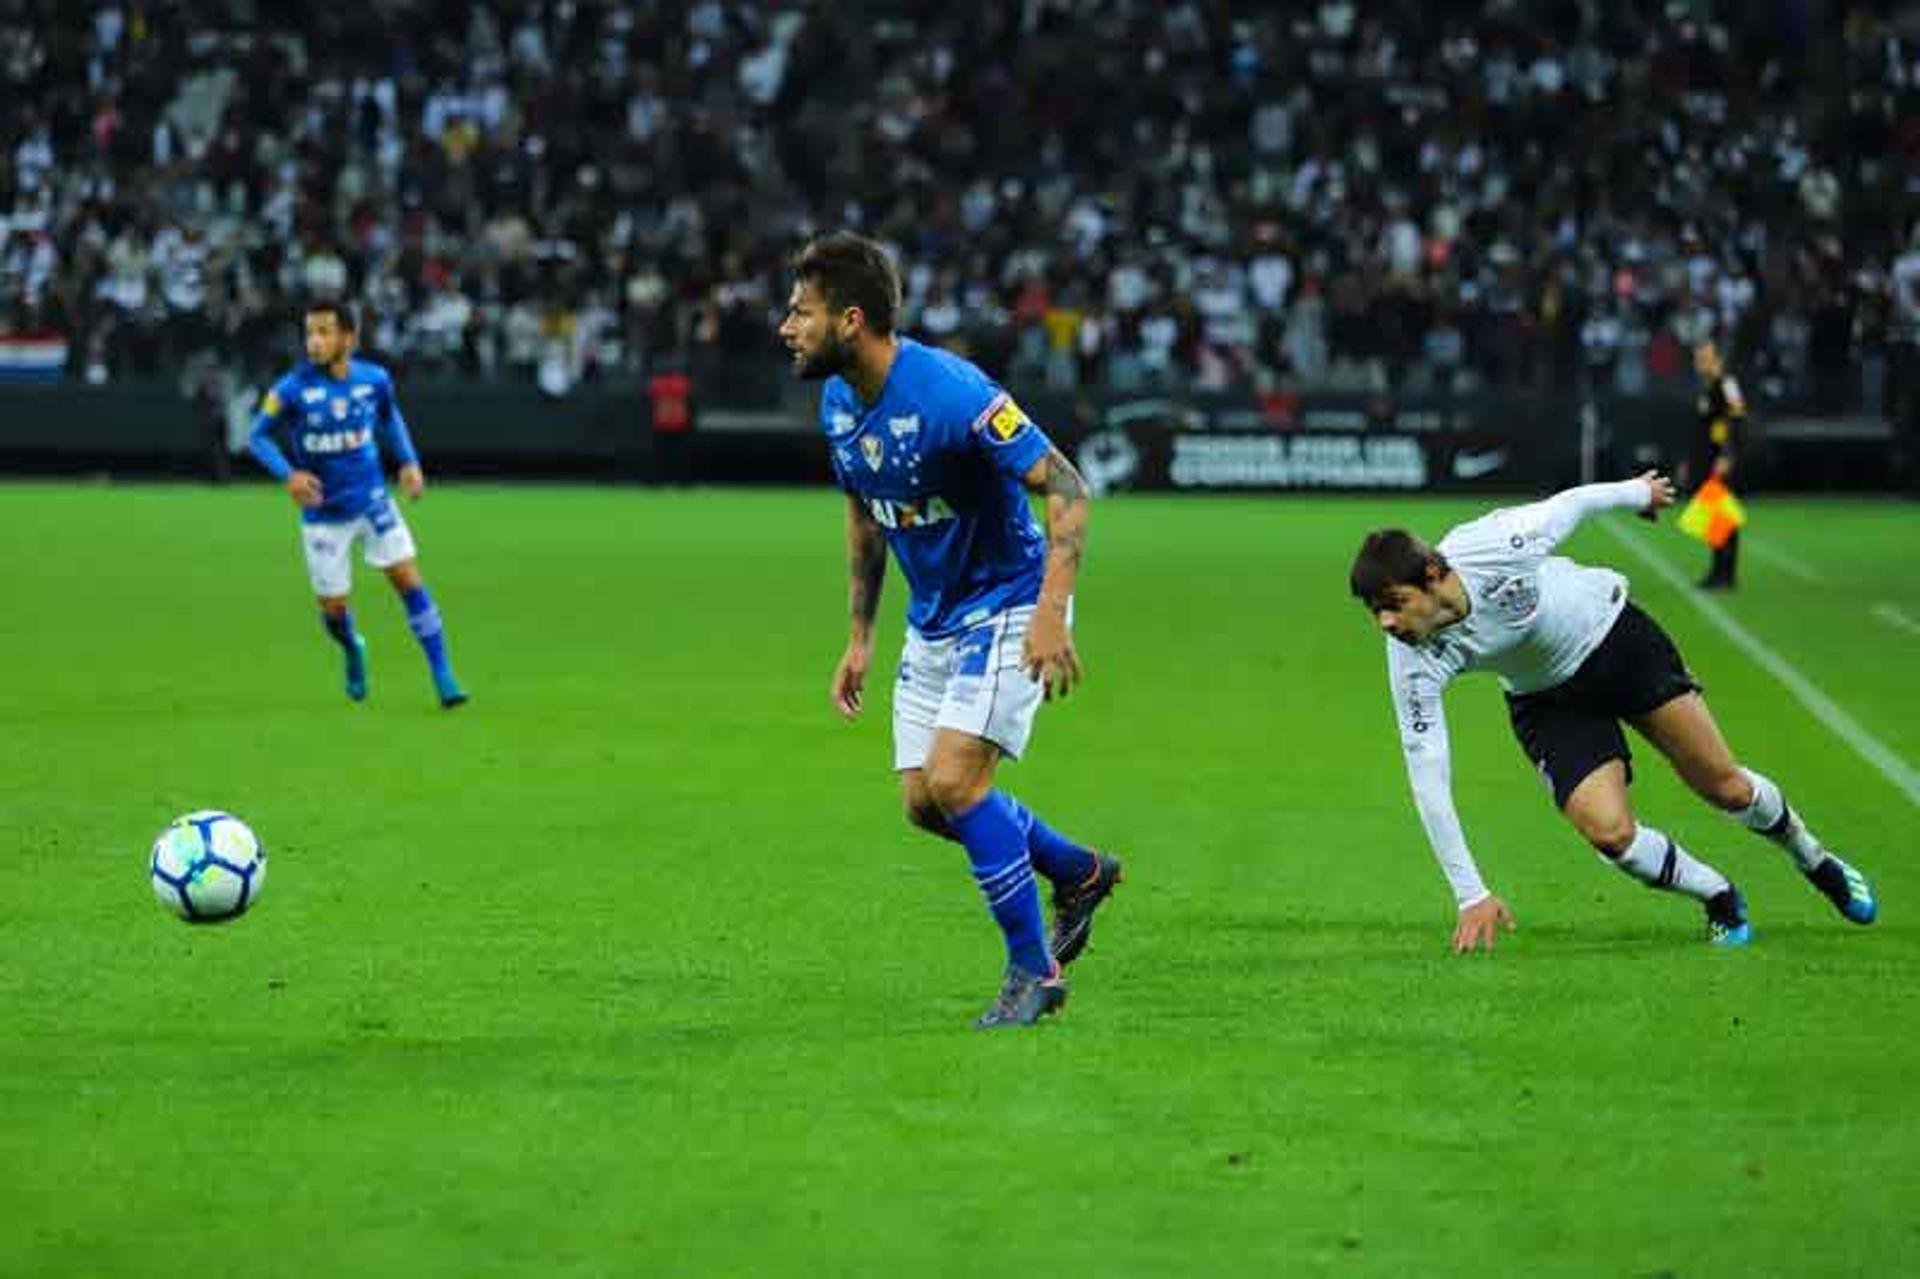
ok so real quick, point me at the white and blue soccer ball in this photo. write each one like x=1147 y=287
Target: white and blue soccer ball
x=208 y=866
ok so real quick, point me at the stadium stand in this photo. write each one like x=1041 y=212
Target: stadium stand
x=1117 y=193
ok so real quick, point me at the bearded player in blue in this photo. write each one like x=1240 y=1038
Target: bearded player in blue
x=937 y=463
x=335 y=414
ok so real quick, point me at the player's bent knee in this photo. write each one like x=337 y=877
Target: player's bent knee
x=954 y=790
x=1729 y=790
x=1610 y=833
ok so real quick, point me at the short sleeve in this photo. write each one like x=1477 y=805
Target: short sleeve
x=1009 y=438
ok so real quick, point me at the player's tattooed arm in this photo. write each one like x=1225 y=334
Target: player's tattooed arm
x=866 y=567
x=866 y=572
x=1065 y=490
x=1049 y=654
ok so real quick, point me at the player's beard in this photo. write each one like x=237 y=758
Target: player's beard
x=834 y=356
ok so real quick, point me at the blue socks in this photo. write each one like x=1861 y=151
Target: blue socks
x=1054 y=855
x=997 y=846
x=424 y=620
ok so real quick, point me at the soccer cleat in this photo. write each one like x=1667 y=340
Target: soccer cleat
x=451 y=694
x=1846 y=888
x=357 y=669
x=1727 y=923
x=1024 y=999
x=1073 y=908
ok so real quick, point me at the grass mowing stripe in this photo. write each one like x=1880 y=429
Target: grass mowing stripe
x=1792 y=565
x=1895 y=618
x=1901 y=774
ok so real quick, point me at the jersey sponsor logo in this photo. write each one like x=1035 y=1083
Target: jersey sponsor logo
x=897 y=515
x=902 y=427
x=312 y=395
x=361 y=392
x=843 y=423
x=335 y=441
x=1417 y=712
x=874 y=449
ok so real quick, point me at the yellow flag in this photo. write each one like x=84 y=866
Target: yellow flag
x=1713 y=514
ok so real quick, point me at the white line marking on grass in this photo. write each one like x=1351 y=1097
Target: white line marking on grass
x=1790 y=565
x=1904 y=777
x=1895 y=618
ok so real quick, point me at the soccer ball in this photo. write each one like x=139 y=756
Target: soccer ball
x=207 y=866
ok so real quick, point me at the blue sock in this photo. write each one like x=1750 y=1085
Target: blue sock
x=998 y=850
x=1054 y=855
x=341 y=628
x=424 y=620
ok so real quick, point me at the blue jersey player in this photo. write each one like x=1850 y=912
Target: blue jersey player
x=321 y=430
x=937 y=463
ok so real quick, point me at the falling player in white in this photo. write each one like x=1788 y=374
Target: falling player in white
x=1576 y=658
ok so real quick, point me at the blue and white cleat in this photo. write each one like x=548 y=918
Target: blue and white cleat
x=1846 y=888
x=451 y=694
x=1727 y=923
x=357 y=670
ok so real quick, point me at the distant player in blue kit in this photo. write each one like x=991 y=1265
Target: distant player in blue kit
x=321 y=430
x=937 y=463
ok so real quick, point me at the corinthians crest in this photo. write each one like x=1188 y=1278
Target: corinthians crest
x=1515 y=597
x=874 y=450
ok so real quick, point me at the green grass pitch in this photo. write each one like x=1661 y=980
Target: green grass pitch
x=633 y=968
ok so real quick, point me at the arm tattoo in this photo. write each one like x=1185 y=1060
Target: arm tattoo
x=867 y=568
x=1067 y=521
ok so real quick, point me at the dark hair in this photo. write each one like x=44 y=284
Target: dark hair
x=1391 y=557
x=852 y=271
x=342 y=313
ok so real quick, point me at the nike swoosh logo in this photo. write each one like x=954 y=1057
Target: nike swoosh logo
x=1471 y=466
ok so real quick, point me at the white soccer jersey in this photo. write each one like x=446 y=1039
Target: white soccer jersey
x=1533 y=618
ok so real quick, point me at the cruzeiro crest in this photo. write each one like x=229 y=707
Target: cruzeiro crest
x=874 y=450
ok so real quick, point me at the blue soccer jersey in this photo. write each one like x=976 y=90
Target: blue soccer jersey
x=937 y=460
x=336 y=428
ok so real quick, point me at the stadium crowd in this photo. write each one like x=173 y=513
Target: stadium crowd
x=1129 y=193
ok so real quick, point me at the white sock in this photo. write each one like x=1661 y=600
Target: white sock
x=1658 y=862
x=1770 y=816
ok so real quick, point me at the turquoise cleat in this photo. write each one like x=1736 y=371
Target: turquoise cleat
x=451 y=694
x=357 y=670
x=1727 y=923
x=1846 y=888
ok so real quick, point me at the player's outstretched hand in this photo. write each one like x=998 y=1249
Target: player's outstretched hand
x=1480 y=923
x=413 y=482
x=848 y=678
x=305 y=488
x=1049 y=655
x=1663 y=490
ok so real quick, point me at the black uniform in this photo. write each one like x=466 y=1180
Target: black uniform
x=1722 y=413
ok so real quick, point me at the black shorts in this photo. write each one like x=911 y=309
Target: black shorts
x=1573 y=728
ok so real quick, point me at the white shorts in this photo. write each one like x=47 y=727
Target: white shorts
x=329 y=547
x=971 y=681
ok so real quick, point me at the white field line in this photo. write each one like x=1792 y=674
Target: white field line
x=1901 y=774
x=1792 y=566
x=1895 y=618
